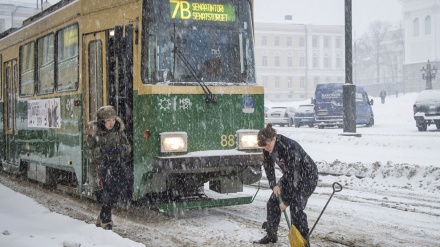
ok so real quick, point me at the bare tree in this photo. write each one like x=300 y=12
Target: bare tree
x=375 y=37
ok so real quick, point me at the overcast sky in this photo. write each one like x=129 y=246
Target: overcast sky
x=319 y=11
x=330 y=12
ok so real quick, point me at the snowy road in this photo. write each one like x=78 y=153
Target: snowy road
x=356 y=216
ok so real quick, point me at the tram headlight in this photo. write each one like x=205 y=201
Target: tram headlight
x=247 y=139
x=171 y=142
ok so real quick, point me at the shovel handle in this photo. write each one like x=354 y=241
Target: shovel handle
x=337 y=187
x=280 y=200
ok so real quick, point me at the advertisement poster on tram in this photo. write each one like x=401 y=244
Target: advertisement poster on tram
x=44 y=113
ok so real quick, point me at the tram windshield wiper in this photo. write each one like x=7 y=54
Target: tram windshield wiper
x=210 y=98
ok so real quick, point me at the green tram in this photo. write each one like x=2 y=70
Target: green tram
x=181 y=74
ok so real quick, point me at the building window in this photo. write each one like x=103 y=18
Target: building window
x=277 y=61
x=315 y=42
x=338 y=61
x=302 y=82
x=301 y=42
x=264 y=61
x=326 y=61
x=277 y=41
x=326 y=42
x=416 y=27
x=289 y=82
x=290 y=61
x=302 y=60
x=289 y=41
x=277 y=82
x=428 y=25
x=338 y=42
x=315 y=60
x=265 y=81
x=263 y=40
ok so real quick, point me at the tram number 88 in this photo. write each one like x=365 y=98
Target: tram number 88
x=227 y=140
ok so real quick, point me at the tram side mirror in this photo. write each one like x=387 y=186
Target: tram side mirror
x=371 y=101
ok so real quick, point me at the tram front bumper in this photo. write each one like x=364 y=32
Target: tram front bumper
x=226 y=172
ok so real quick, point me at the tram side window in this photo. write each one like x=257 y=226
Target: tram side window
x=27 y=71
x=9 y=96
x=45 y=69
x=67 y=63
x=1 y=75
x=11 y=76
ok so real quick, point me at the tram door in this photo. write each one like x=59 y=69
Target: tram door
x=108 y=59
x=94 y=95
x=10 y=128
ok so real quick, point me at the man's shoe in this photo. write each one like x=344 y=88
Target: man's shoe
x=267 y=239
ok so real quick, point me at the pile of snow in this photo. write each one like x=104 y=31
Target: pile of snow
x=396 y=175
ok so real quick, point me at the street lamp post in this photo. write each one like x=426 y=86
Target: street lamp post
x=428 y=74
x=349 y=89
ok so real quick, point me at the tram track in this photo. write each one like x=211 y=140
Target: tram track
x=405 y=200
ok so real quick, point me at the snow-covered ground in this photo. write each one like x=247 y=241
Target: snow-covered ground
x=391 y=197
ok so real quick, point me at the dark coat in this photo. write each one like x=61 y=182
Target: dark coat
x=108 y=151
x=107 y=147
x=300 y=173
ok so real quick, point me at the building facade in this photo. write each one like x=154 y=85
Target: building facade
x=421 y=20
x=13 y=14
x=292 y=58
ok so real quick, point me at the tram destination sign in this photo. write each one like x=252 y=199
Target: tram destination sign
x=199 y=11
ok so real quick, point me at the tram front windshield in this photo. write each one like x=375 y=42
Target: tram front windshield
x=187 y=41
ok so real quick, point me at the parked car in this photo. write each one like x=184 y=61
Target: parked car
x=427 y=109
x=280 y=116
x=305 y=115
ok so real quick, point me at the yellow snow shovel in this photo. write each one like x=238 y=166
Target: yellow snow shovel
x=295 y=237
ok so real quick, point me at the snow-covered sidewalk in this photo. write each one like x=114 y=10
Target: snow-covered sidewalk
x=25 y=223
